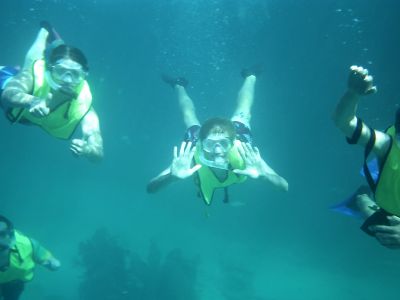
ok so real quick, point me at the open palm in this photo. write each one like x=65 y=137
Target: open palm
x=252 y=159
x=181 y=166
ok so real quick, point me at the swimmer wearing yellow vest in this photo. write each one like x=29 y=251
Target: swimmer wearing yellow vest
x=19 y=256
x=51 y=92
x=218 y=153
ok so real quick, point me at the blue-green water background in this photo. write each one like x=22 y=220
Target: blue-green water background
x=286 y=246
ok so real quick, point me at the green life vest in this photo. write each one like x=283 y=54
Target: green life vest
x=387 y=193
x=64 y=119
x=208 y=182
x=21 y=264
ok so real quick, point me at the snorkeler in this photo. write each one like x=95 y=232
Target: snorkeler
x=380 y=206
x=51 y=92
x=219 y=152
x=19 y=256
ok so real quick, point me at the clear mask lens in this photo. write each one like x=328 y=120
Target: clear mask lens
x=67 y=72
x=209 y=145
x=5 y=239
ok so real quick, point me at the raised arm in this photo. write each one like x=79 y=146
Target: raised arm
x=162 y=180
x=181 y=168
x=270 y=175
x=91 y=144
x=256 y=167
x=17 y=92
x=360 y=83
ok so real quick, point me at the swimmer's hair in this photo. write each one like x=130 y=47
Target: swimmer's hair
x=65 y=51
x=217 y=125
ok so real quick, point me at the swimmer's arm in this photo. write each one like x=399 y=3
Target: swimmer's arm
x=346 y=120
x=359 y=83
x=17 y=92
x=44 y=257
x=271 y=176
x=92 y=135
x=40 y=254
x=162 y=180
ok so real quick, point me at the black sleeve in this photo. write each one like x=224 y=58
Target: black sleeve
x=357 y=132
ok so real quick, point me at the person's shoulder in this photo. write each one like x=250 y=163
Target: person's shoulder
x=383 y=142
x=21 y=239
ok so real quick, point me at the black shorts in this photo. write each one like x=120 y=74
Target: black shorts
x=11 y=290
x=243 y=133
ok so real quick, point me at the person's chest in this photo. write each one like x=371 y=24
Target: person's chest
x=56 y=100
x=220 y=174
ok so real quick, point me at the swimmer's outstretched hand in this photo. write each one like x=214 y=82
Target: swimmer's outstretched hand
x=181 y=166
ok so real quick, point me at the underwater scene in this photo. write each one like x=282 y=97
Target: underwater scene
x=92 y=193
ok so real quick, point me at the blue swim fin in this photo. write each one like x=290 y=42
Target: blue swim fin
x=5 y=74
x=373 y=168
x=349 y=206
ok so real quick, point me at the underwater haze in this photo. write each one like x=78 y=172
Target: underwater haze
x=117 y=242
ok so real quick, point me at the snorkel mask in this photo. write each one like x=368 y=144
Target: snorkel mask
x=65 y=74
x=215 y=152
x=6 y=238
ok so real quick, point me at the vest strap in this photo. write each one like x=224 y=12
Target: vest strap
x=367 y=151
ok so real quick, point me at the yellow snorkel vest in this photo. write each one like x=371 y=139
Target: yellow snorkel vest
x=387 y=193
x=21 y=264
x=64 y=119
x=208 y=182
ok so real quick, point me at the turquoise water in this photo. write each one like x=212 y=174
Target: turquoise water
x=267 y=244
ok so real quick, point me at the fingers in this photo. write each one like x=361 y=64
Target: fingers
x=383 y=229
x=360 y=81
x=393 y=220
x=195 y=168
x=249 y=150
x=45 y=110
x=52 y=264
x=250 y=153
x=182 y=149
x=39 y=109
x=76 y=150
x=240 y=172
x=389 y=241
x=185 y=150
x=77 y=146
x=360 y=70
x=369 y=79
x=241 y=150
x=78 y=142
x=257 y=151
x=372 y=90
x=188 y=148
x=192 y=152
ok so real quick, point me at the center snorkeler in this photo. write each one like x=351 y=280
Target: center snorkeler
x=219 y=152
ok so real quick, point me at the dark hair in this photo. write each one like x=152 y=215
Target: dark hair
x=65 y=51
x=10 y=226
x=216 y=125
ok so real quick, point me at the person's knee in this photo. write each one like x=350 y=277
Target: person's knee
x=242 y=118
